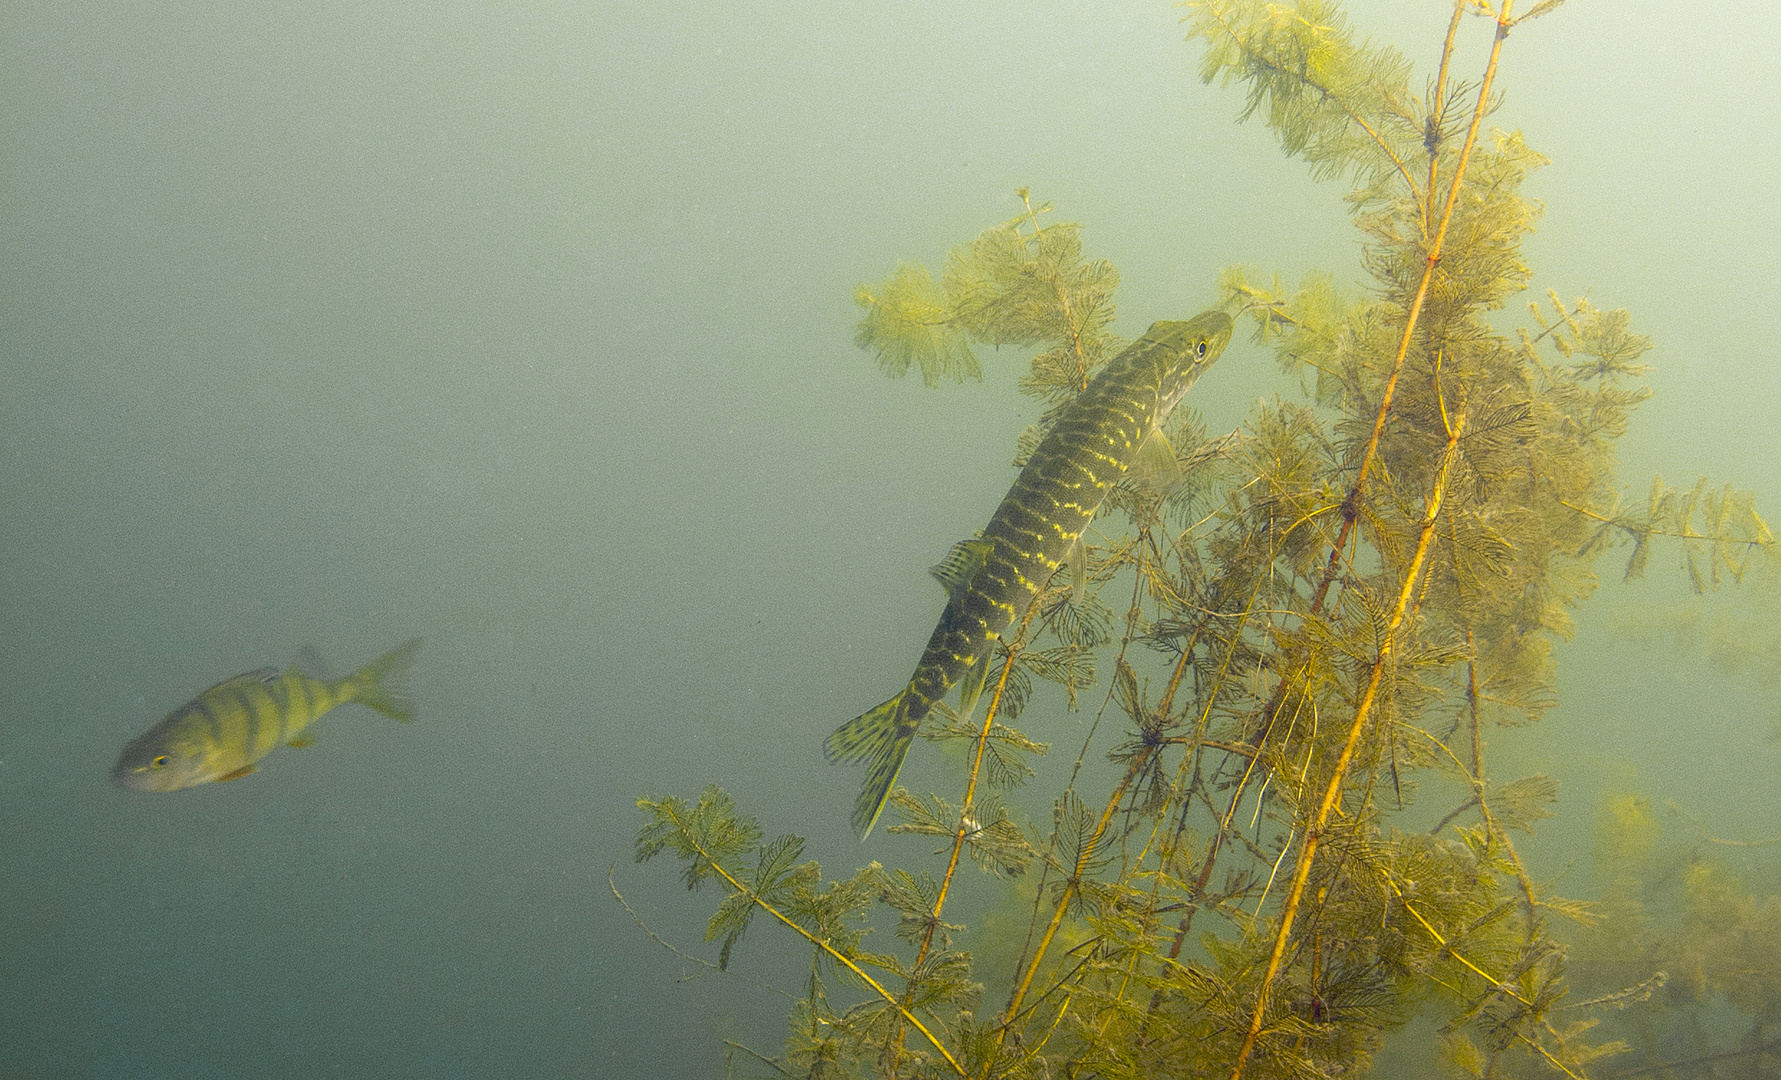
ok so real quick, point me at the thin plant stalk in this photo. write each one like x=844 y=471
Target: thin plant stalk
x=1333 y=791
x=839 y=957
x=958 y=839
x=1351 y=505
x=1351 y=512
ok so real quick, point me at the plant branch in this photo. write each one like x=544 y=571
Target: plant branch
x=1333 y=791
x=839 y=957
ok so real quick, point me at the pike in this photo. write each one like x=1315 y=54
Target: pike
x=1111 y=427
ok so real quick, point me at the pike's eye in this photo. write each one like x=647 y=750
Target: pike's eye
x=159 y=763
x=1200 y=349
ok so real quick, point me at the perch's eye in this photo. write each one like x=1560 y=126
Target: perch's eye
x=159 y=763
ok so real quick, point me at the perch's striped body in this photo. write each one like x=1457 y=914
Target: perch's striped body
x=1087 y=451
x=221 y=733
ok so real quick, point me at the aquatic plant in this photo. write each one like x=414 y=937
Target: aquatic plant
x=1684 y=961
x=1326 y=613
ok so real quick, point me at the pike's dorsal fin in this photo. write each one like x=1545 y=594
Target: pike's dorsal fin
x=962 y=563
x=1154 y=467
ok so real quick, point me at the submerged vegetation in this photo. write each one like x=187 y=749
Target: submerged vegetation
x=1291 y=655
x=1685 y=953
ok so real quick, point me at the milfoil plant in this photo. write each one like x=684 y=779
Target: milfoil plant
x=1327 y=610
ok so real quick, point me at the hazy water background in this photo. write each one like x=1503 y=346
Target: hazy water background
x=527 y=327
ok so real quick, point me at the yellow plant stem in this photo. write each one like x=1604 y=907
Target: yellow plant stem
x=1333 y=792
x=1139 y=761
x=1472 y=708
x=1350 y=513
x=841 y=958
x=1351 y=505
x=958 y=839
x=1063 y=900
x=1500 y=985
x=1764 y=538
x=1224 y=822
x=1431 y=139
x=1011 y=1013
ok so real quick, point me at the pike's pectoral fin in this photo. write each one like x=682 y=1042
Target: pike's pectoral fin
x=971 y=687
x=1154 y=468
x=1078 y=559
x=962 y=563
x=881 y=739
x=237 y=774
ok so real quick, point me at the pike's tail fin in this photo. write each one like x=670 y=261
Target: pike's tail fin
x=881 y=738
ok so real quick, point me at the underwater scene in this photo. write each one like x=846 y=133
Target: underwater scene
x=1224 y=539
